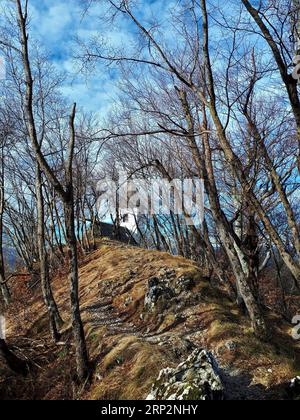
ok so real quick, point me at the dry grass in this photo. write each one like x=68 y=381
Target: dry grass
x=128 y=371
x=126 y=361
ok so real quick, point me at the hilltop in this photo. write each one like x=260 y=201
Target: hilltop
x=130 y=340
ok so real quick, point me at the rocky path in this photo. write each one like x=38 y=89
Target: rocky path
x=106 y=315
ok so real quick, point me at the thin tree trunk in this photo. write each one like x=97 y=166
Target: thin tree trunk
x=242 y=279
x=289 y=82
x=78 y=331
x=66 y=194
x=234 y=160
x=82 y=360
x=3 y=285
x=54 y=317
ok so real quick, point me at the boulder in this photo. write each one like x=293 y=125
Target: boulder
x=195 y=379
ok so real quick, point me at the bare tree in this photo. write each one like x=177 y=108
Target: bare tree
x=54 y=316
x=66 y=193
x=199 y=80
x=3 y=283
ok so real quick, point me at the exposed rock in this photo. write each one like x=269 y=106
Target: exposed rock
x=158 y=294
x=184 y=284
x=231 y=346
x=164 y=287
x=195 y=379
x=178 y=285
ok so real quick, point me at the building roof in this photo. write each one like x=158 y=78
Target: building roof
x=107 y=230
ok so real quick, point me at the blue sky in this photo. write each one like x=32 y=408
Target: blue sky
x=56 y=23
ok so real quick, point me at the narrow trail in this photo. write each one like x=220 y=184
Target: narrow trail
x=104 y=314
x=129 y=343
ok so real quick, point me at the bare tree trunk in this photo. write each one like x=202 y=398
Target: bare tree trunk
x=66 y=194
x=289 y=82
x=54 y=317
x=161 y=235
x=233 y=159
x=78 y=331
x=291 y=218
x=242 y=281
x=3 y=285
x=295 y=24
x=200 y=163
x=230 y=244
x=16 y=364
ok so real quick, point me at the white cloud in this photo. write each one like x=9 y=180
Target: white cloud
x=56 y=23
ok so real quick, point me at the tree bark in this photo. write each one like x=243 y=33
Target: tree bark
x=55 y=319
x=289 y=82
x=15 y=364
x=78 y=331
x=234 y=161
x=66 y=194
x=242 y=278
x=3 y=284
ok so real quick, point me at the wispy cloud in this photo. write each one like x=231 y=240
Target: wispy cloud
x=56 y=24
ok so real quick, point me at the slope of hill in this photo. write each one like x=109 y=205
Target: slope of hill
x=130 y=342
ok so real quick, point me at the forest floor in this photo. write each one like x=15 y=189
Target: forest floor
x=128 y=346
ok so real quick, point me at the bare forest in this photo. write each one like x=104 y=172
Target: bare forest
x=149 y=201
